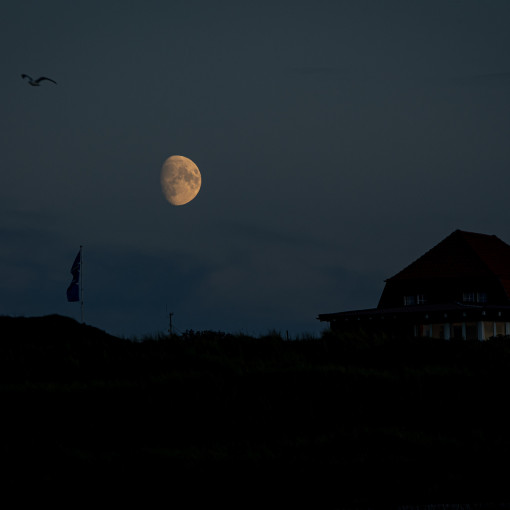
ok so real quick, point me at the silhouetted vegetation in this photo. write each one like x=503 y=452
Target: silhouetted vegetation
x=336 y=421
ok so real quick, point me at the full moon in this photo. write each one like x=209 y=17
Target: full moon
x=180 y=180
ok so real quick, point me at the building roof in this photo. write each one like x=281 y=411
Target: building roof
x=461 y=254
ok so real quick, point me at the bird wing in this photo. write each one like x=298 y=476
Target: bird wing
x=26 y=76
x=44 y=78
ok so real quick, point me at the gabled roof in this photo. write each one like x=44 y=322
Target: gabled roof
x=462 y=254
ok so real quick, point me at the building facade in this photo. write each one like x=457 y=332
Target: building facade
x=460 y=289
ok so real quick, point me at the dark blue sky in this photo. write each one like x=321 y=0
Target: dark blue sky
x=337 y=141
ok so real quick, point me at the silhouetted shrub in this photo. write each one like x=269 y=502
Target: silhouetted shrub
x=344 y=420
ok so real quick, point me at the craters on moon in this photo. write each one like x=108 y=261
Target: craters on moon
x=180 y=180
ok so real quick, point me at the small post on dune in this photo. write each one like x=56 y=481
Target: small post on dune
x=170 y=327
x=81 y=282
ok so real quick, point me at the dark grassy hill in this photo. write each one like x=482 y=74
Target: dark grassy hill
x=214 y=418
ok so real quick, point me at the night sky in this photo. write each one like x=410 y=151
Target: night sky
x=338 y=141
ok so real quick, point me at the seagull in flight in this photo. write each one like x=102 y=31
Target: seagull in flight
x=37 y=83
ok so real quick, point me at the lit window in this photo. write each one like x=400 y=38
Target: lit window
x=409 y=300
x=420 y=299
x=424 y=330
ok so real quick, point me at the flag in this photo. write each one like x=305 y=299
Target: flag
x=73 y=291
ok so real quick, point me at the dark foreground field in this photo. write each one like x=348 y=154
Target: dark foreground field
x=208 y=418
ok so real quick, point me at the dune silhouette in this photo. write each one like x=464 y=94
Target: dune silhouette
x=335 y=421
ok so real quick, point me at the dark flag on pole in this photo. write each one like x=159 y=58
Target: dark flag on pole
x=73 y=291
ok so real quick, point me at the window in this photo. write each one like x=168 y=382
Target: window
x=438 y=331
x=457 y=331
x=474 y=297
x=481 y=297
x=499 y=328
x=409 y=300
x=468 y=297
x=419 y=299
x=424 y=330
x=488 y=330
x=491 y=329
x=471 y=331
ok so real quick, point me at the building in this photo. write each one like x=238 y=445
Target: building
x=460 y=289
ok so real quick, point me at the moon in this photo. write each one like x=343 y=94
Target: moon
x=180 y=180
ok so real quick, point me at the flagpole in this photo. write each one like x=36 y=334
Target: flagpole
x=81 y=281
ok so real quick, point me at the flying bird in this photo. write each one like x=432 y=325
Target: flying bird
x=37 y=83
